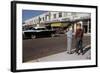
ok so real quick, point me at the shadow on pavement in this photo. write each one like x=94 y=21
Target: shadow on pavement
x=86 y=49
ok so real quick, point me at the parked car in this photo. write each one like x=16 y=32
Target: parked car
x=38 y=32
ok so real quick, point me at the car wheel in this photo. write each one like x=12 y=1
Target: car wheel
x=33 y=36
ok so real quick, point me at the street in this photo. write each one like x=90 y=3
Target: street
x=42 y=47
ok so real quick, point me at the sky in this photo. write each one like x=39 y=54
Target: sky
x=27 y=14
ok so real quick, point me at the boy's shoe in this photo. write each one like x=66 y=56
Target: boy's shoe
x=69 y=52
x=78 y=53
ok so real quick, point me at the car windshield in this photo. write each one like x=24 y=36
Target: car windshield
x=31 y=28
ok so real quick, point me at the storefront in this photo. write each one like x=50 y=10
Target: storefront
x=85 y=25
x=59 y=27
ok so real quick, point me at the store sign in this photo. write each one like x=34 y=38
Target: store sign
x=65 y=19
x=56 y=20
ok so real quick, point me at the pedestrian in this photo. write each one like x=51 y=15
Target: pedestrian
x=79 y=39
x=69 y=39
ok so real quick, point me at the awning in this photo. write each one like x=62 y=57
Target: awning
x=58 y=25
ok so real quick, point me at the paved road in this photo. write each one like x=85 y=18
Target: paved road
x=41 y=47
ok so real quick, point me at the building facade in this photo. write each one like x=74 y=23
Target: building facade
x=61 y=20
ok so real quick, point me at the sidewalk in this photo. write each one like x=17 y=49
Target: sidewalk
x=63 y=56
x=85 y=34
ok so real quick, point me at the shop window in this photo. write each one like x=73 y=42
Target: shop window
x=89 y=26
x=54 y=15
x=43 y=18
x=60 y=14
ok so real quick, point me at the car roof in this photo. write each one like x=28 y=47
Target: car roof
x=38 y=27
